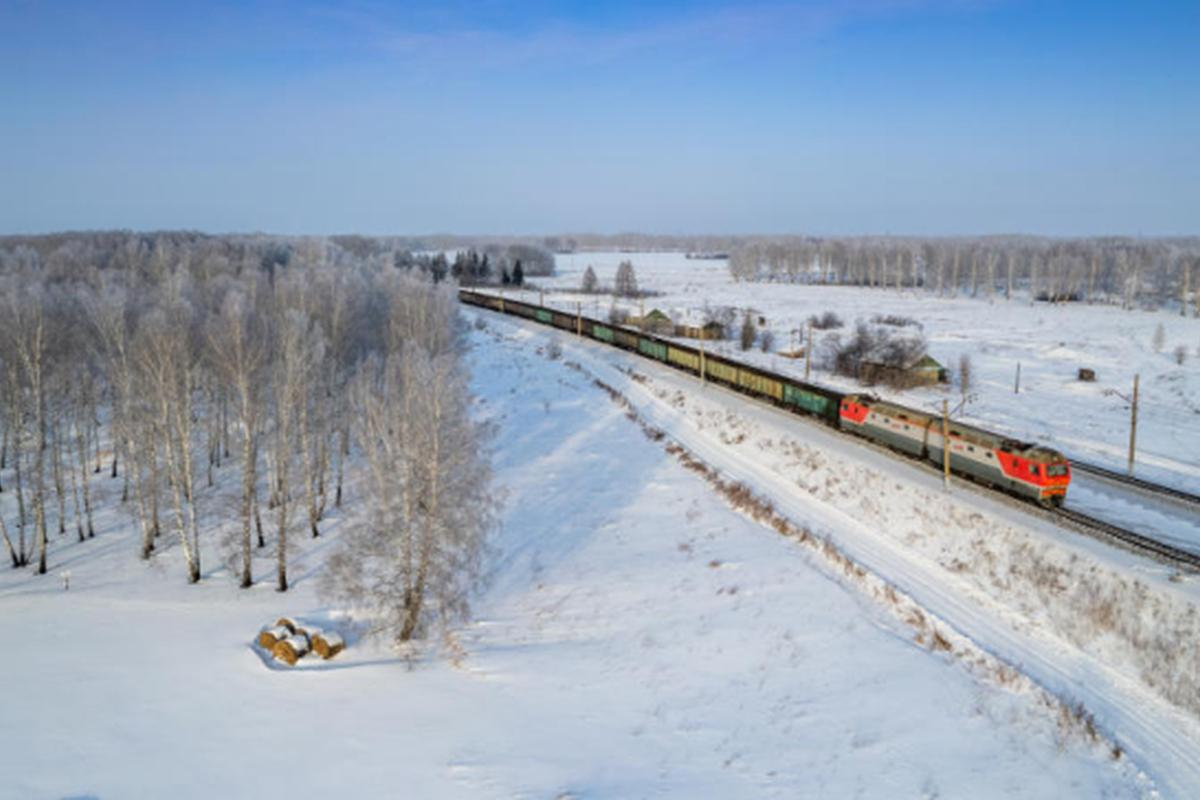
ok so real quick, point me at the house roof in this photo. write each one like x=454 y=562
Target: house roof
x=879 y=357
x=927 y=361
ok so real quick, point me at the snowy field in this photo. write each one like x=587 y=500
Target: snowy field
x=639 y=639
x=1089 y=421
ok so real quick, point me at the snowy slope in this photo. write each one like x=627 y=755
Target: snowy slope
x=639 y=639
x=1092 y=624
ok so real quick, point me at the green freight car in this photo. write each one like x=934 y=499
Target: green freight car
x=603 y=333
x=811 y=401
x=652 y=348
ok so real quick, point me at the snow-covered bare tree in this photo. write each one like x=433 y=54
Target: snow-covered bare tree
x=240 y=342
x=166 y=360
x=25 y=329
x=625 y=283
x=416 y=559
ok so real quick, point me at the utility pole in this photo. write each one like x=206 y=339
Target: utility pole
x=541 y=297
x=702 y=336
x=808 y=352
x=501 y=299
x=946 y=443
x=578 y=319
x=1133 y=424
x=1017 y=385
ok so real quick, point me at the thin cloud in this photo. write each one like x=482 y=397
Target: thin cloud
x=559 y=39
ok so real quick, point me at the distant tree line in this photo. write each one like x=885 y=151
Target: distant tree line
x=156 y=362
x=1117 y=270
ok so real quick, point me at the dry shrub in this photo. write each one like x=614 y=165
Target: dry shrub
x=1073 y=719
x=825 y=322
x=940 y=642
x=285 y=622
x=895 y=320
x=915 y=618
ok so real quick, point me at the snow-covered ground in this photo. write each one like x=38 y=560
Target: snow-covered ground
x=1092 y=624
x=639 y=638
x=1089 y=421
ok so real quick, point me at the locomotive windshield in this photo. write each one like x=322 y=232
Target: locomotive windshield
x=1055 y=470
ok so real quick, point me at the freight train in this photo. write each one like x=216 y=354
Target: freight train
x=1020 y=468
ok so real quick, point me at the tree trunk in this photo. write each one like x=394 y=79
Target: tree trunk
x=39 y=477
x=56 y=472
x=81 y=454
x=174 y=470
x=344 y=452
x=310 y=478
x=281 y=470
x=248 y=481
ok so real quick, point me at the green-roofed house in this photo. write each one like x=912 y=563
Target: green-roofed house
x=923 y=371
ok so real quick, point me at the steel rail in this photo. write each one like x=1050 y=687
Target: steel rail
x=1140 y=484
x=1132 y=539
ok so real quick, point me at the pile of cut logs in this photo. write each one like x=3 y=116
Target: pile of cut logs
x=288 y=642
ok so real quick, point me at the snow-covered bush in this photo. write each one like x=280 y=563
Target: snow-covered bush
x=825 y=322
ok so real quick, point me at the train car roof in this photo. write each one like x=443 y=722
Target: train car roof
x=1029 y=450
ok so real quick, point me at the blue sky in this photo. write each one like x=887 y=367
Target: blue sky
x=826 y=117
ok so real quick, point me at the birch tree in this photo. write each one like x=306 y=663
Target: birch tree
x=417 y=558
x=165 y=359
x=26 y=327
x=240 y=341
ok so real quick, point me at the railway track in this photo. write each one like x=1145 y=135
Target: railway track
x=1132 y=539
x=1140 y=484
x=1128 y=539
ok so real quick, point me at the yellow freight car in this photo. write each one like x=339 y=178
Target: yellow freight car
x=686 y=358
x=759 y=384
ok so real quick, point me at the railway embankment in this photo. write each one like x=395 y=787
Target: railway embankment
x=1093 y=625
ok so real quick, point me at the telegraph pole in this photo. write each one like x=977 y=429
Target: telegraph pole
x=946 y=443
x=578 y=319
x=808 y=353
x=1133 y=424
x=1017 y=385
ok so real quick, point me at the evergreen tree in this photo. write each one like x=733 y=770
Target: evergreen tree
x=590 y=283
